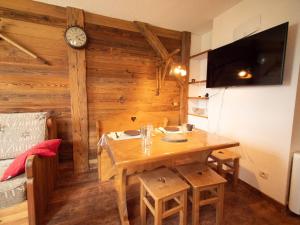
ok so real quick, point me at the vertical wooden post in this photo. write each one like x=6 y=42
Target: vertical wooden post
x=77 y=83
x=185 y=60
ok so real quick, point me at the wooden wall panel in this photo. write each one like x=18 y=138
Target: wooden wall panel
x=120 y=64
x=128 y=25
x=28 y=86
x=39 y=9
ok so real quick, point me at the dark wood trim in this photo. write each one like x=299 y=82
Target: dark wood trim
x=199 y=98
x=201 y=53
x=78 y=92
x=198 y=82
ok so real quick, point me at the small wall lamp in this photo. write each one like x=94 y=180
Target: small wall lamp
x=178 y=69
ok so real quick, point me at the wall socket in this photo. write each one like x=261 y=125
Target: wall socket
x=263 y=175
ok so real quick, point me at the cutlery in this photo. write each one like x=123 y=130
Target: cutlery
x=161 y=130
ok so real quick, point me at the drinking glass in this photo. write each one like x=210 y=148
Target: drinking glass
x=146 y=133
x=183 y=128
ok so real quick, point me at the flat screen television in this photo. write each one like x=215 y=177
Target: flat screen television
x=253 y=60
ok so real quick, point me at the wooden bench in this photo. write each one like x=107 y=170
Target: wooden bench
x=122 y=122
x=41 y=173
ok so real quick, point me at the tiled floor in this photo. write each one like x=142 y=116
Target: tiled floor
x=81 y=200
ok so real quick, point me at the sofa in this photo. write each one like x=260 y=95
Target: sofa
x=18 y=133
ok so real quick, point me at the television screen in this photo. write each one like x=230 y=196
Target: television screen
x=253 y=60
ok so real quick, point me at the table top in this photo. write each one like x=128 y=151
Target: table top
x=129 y=152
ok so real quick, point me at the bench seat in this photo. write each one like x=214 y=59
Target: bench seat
x=12 y=191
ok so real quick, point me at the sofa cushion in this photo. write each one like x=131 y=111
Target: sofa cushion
x=20 y=131
x=46 y=148
x=12 y=191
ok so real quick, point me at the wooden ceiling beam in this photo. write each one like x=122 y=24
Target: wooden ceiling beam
x=57 y=14
x=128 y=25
x=30 y=6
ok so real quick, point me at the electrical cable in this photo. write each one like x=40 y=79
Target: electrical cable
x=220 y=111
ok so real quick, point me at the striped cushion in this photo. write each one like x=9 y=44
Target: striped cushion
x=20 y=131
x=12 y=191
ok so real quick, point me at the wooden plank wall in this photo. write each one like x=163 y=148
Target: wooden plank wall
x=120 y=69
x=26 y=85
x=121 y=78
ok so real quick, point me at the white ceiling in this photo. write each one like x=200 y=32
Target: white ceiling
x=183 y=15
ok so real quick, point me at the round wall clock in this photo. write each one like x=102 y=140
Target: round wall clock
x=76 y=37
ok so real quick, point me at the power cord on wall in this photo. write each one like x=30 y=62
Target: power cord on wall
x=220 y=109
x=243 y=151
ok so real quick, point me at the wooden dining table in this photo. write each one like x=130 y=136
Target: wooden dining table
x=125 y=159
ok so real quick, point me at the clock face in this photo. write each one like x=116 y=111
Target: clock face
x=76 y=37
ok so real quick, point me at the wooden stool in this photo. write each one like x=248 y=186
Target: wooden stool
x=203 y=179
x=230 y=159
x=162 y=186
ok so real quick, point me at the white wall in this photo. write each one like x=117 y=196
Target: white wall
x=195 y=43
x=198 y=68
x=261 y=118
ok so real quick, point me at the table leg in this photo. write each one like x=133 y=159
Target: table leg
x=236 y=167
x=120 y=185
x=220 y=168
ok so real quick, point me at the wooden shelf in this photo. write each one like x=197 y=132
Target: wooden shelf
x=200 y=98
x=198 y=82
x=198 y=54
x=198 y=115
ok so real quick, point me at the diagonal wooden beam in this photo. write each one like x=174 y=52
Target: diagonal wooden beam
x=161 y=51
x=167 y=68
x=153 y=40
x=21 y=48
x=177 y=50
